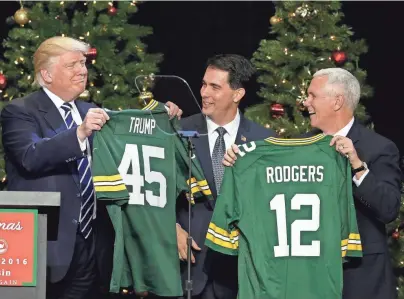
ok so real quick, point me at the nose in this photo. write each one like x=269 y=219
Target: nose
x=306 y=102
x=204 y=92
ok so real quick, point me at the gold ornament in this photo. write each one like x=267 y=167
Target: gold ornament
x=145 y=97
x=85 y=95
x=274 y=20
x=21 y=16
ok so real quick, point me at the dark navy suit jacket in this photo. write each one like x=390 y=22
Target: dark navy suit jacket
x=40 y=155
x=219 y=268
x=377 y=202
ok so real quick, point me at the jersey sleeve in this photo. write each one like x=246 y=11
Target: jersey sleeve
x=223 y=235
x=198 y=183
x=351 y=245
x=108 y=183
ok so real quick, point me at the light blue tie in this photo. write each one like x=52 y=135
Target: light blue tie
x=86 y=182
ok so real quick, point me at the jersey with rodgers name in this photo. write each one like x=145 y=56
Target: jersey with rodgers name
x=286 y=209
x=140 y=165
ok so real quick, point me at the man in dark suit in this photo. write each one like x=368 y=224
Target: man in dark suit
x=47 y=143
x=333 y=96
x=223 y=86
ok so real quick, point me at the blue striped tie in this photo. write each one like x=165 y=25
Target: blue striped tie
x=86 y=184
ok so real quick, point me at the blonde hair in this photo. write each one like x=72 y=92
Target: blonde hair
x=51 y=48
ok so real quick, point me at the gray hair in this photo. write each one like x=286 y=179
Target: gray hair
x=346 y=81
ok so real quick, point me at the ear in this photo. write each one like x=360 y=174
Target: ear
x=238 y=95
x=339 y=102
x=46 y=76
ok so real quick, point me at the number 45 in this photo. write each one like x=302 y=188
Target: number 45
x=278 y=204
x=136 y=180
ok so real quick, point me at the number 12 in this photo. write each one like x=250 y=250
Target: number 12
x=278 y=204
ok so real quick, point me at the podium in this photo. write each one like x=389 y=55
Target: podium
x=31 y=206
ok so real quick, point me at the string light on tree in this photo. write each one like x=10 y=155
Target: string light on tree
x=85 y=95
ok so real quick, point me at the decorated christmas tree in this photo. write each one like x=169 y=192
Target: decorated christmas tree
x=118 y=53
x=304 y=37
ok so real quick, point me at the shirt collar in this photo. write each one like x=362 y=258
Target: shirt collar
x=231 y=127
x=56 y=100
x=345 y=130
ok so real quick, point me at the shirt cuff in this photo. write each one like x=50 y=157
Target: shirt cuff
x=358 y=182
x=83 y=144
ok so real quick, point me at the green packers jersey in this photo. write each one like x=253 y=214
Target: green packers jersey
x=140 y=165
x=286 y=209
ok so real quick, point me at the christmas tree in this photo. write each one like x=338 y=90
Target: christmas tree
x=304 y=37
x=118 y=53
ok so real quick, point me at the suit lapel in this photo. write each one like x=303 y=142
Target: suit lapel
x=243 y=131
x=51 y=114
x=354 y=135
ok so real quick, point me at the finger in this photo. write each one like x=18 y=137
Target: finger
x=179 y=113
x=183 y=255
x=192 y=258
x=235 y=148
x=225 y=163
x=195 y=246
x=334 y=139
x=231 y=154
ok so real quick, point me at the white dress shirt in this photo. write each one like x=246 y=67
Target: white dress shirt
x=77 y=119
x=344 y=132
x=230 y=135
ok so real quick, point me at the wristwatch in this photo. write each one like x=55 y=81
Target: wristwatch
x=364 y=166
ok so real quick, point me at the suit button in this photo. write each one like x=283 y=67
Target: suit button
x=74 y=221
x=78 y=194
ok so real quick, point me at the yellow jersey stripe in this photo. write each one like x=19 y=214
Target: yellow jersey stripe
x=154 y=105
x=222 y=243
x=116 y=188
x=295 y=141
x=107 y=178
x=151 y=103
x=223 y=232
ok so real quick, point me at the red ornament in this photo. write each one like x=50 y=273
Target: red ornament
x=92 y=53
x=277 y=110
x=112 y=10
x=339 y=56
x=3 y=81
x=396 y=235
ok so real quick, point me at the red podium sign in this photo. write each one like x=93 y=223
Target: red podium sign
x=18 y=247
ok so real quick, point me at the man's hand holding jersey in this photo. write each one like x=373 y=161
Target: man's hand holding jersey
x=173 y=110
x=230 y=155
x=94 y=120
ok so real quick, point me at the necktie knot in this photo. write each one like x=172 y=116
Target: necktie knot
x=221 y=131
x=67 y=107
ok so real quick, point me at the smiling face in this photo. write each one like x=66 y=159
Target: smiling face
x=321 y=104
x=219 y=100
x=67 y=75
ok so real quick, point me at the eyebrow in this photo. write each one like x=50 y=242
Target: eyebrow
x=212 y=84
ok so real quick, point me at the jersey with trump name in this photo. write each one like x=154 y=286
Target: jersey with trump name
x=286 y=209
x=140 y=165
